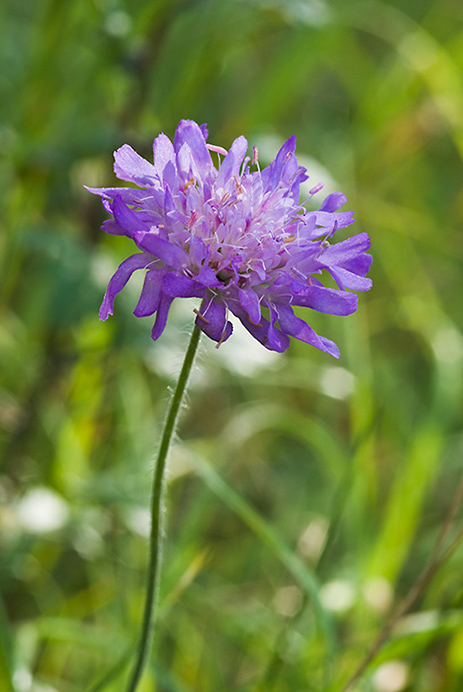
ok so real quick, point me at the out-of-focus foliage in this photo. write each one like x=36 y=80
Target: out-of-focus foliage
x=305 y=495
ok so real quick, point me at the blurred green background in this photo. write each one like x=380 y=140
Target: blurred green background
x=305 y=494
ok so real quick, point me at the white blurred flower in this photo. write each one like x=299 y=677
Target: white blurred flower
x=378 y=593
x=138 y=520
x=41 y=510
x=287 y=601
x=336 y=382
x=338 y=595
x=312 y=540
x=392 y=676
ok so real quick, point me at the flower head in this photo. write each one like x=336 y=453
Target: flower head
x=236 y=238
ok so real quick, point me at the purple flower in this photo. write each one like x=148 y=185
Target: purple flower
x=233 y=236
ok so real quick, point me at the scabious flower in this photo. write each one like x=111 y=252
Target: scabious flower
x=234 y=236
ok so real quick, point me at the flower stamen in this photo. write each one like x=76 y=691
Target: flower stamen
x=217 y=149
x=201 y=316
x=191 y=181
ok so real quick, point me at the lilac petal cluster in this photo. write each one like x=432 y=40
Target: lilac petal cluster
x=233 y=236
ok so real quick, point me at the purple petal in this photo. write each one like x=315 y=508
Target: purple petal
x=170 y=175
x=127 y=219
x=163 y=153
x=326 y=300
x=185 y=165
x=204 y=131
x=299 y=176
x=272 y=175
x=258 y=331
x=128 y=165
x=250 y=302
x=129 y=195
x=278 y=340
x=195 y=152
x=119 y=280
x=347 y=249
x=171 y=254
x=332 y=220
x=333 y=202
x=351 y=273
x=207 y=277
x=296 y=327
x=161 y=316
x=179 y=286
x=346 y=279
x=174 y=216
x=107 y=205
x=232 y=162
x=150 y=295
x=359 y=265
x=197 y=250
x=110 y=226
x=212 y=320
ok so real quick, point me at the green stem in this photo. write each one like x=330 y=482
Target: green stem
x=157 y=514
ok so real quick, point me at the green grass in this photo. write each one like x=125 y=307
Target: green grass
x=296 y=480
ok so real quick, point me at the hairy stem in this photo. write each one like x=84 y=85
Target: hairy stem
x=156 y=535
